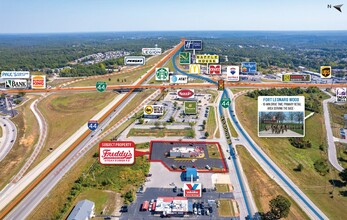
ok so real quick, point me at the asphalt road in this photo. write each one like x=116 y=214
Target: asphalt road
x=331 y=144
x=9 y=136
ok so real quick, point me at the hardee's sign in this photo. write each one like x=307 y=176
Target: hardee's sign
x=118 y=153
x=38 y=82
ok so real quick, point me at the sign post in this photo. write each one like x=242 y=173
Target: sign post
x=226 y=102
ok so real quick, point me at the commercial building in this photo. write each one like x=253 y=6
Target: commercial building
x=83 y=210
x=191 y=174
x=173 y=206
x=186 y=152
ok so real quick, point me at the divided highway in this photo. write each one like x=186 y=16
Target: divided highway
x=9 y=136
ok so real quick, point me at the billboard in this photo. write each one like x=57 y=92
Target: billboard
x=194 y=69
x=180 y=79
x=151 y=51
x=16 y=84
x=192 y=190
x=185 y=58
x=248 y=67
x=38 y=82
x=193 y=45
x=296 y=78
x=281 y=116
x=190 y=107
x=117 y=153
x=134 y=60
x=15 y=74
x=206 y=58
x=215 y=69
x=185 y=94
x=162 y=74
x=233 y=73
x=153 y=110
x=325 y=72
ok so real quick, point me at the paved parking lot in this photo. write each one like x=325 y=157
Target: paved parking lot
x=159 y=149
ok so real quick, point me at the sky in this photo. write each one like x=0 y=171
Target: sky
x=51 y=16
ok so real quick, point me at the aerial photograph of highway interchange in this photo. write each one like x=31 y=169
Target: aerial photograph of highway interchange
x=99 y=120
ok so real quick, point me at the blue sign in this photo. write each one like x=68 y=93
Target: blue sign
x=248 y=67
x=193 y=45
x=93 y=125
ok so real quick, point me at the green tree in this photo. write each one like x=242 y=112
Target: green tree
x=156 y=124
x=141 y=120
x=206 y=134
x=280 y=207
x=172 y=119
x=343 y=175
x=204 y=122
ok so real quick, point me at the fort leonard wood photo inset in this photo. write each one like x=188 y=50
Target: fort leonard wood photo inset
x=281 y=116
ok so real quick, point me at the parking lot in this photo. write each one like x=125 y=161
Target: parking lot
x=160 y=149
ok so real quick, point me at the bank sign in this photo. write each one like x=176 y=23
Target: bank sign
x=192 y=190
x=117 y=153
x=16 y=84
x=15 y=74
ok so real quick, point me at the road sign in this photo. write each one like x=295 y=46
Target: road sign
x=162 y=74
x=296 y=77
x=325 y=72
x=151 y=51
x=93 y=125
x=153 y=110
x=226 y=102
x=249 y=67
x=194 y=69
x=178 y=79
x=220 y=85
x=233 y=73
x=185 y=58
x=215 y=69
x=134 y=60
x=193 y=45
x=206 y=58
x=101 y=86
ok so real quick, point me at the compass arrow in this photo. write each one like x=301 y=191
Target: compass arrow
x=338 y=7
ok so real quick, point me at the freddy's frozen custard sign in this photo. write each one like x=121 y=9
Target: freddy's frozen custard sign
x=118 y=153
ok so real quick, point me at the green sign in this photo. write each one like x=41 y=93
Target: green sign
x=226 y=102
x=101 y=86
x=184 y=58
x=190 y=108
x=162 y=74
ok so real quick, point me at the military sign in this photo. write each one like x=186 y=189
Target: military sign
x=185 y=58
x=162 y=74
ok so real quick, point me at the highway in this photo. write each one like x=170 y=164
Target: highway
x=332 y=155
x=273 y=170
x=9 y=136
x=13 y=195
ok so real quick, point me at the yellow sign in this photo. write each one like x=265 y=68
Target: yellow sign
x=194 y=68
x=149 y=109
x=325 y=72
x=206 y=58
x=286 y=78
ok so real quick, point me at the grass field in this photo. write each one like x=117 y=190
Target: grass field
x=27 y=136
x=222 y=188
x=232 y=129
x=226 y=208
x=341 y=150
x=213 y=151
x=263 y=187
x=336 y=117
x=211 y=123
x=158 y=132
x=66 y=113
x=0 y=132
x=236 y=90
x=287 y=157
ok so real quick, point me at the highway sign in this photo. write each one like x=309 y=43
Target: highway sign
x=233 y=73
x=117 y=152
x=215 y=69
x=178 y=79
x=151 y=51
x=194 y=69
x=134 y=60
x=38 y=82
x=15 y=74
x=325 y=72
x=190 y=107
x=93 y=125
x=225 y=102
x=192 y=190
x=153 y=110
x=249 y=67
x=162 y=74
x=185 y=94
x=220 y=85
x=193 y=45
x=185 y=58
x=101 y=86
x=206 y=58
x=296 y=77
x=16 y=84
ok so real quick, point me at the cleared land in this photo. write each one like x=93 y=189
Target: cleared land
x=263 y=187
x=213 y=152
x=27 y=137
x=211 y=124
x=226 y=208
x=222 y=188
x=232 y=129
x=336 y=115
x=341 y=150
x=287 y=157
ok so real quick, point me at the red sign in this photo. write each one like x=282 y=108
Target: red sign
x=117 y=152
x=185 y=93
x=192 y=190
x=215 y=69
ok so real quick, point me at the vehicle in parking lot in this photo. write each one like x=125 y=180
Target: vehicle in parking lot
x=199 y=211
x=204 y=190
x=175 y=189
x=208 y=167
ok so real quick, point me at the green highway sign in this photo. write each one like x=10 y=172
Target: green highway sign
x=226 y=102
x=101 y=86
x=185 y=58
x=162 y=74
